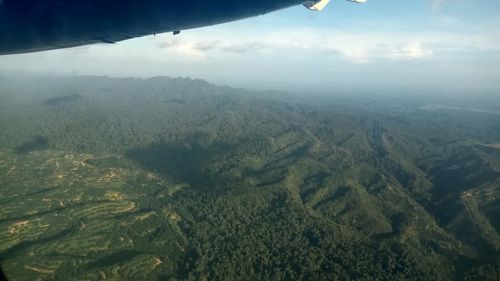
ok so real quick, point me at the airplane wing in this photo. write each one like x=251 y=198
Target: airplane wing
x=37 y=25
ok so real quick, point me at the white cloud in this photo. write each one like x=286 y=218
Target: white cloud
x=354 y=47
x=412 y=50
x=186 y=48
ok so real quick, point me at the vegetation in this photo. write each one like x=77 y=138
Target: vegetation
x=178 y=179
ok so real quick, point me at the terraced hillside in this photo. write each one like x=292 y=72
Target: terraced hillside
x=61 y=213
x=178 y=179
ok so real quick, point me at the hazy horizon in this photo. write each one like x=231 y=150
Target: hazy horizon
x=450 y=46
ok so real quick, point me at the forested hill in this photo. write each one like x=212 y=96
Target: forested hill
x=179 y=179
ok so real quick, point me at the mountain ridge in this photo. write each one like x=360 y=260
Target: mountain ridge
x=221 y=183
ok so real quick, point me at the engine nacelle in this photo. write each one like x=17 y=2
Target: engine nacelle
x=318 y=5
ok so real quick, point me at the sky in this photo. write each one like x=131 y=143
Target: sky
x=447 y=45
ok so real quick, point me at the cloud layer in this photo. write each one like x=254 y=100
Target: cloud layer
x=356 y=47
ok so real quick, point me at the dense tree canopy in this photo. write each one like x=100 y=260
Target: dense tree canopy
x=178 y=179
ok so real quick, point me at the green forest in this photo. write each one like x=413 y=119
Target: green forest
x=179 y=179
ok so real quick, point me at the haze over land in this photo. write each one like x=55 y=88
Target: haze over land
x=165 y=179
